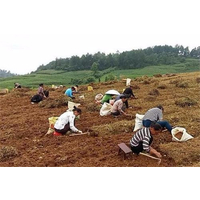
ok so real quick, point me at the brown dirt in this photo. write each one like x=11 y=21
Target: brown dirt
x=23 y=127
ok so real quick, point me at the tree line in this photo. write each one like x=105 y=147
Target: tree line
x=157 y=55
x=5 y=74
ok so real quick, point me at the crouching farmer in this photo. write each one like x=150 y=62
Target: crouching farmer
x=66 y=122
x=142 y=140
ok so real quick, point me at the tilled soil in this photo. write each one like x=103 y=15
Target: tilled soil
x=24 y=126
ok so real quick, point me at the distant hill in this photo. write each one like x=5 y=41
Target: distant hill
x=5 y=74
x=134 y=59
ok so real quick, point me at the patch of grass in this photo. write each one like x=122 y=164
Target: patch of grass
x=7 y=152
x=114 y=128
x=154 y=92
x=183 y=153
x=185 y=101
x=182 y=84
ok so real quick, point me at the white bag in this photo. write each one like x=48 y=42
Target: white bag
x=128 y=81
x=185 y=136
x=138 y=121
x=105 y=109
x=72 y=104
x=98 y=97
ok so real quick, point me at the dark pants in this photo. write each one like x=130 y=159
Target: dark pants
x=116 y=113
x=164 y=124
x=46 y=93
x=139 y=148
x=64 y=130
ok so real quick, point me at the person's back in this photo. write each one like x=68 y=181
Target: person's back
x=106 y=98
x=153 y=114
x=63 y=119
x=129 y=92
x=156 y=115
x=68 y=92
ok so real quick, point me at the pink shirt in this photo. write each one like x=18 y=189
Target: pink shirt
x=117 y=106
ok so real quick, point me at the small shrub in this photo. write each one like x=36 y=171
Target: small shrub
x=198 y=80
x=150 y=98
x=92 y=107
x=154 y=92
x=90 y=80
x=146 y=82
x=182 y=85
x=135 y=86
x=185 y=102
x=7 y=152
x=162 y=87
x=157 y=75
x=54 y=103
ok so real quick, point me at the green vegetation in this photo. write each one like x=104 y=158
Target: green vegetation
x=61 y=77
x=134 y=59
x=5 y=73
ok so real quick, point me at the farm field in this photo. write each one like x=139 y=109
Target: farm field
x=23 y=126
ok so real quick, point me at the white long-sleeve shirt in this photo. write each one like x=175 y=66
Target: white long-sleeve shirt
x=65 y=118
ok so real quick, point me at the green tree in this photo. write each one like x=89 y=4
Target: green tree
x=95 y=69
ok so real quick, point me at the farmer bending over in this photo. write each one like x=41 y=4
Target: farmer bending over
x=69 y=92
x=143 y=139
x=66 y=121
x=117 y=106
x=156 y=115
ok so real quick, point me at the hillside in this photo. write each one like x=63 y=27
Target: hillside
x=60 y=77
x=23 y=128
x=134 y=59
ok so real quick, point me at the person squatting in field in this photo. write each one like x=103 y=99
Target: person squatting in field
x=66 y=121
x=142 y=139
x=43 y=93
x=156 y=115
x=117 y=107
x=70 y=91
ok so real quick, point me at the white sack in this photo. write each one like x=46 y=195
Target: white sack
x=138 y=121
x=105 y=109
x=184 y=137
x=72 y=104
x=128 y=81
x=98 y=97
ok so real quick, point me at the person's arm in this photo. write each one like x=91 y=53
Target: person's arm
x=70 y=93
x=71 y=124
x=119 y=108
x=160 y=116
x=154 y=152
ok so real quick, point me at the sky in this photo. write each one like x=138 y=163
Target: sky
x=36 y=32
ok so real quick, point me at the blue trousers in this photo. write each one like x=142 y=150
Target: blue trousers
x=164 y=124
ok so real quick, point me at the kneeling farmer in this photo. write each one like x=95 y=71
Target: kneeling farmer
x=143 y=139
x=66 y=122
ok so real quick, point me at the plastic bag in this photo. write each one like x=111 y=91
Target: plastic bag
x=179 y=134
x=138 y=121
x=52 y=121
x=105 y=109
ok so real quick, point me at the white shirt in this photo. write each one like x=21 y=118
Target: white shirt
x=65 y=118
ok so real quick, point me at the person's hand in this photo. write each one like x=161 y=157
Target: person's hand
x=80 y=132
x=158 y=155
x=153 y=151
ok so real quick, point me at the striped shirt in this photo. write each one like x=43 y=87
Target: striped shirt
x=142 y=135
